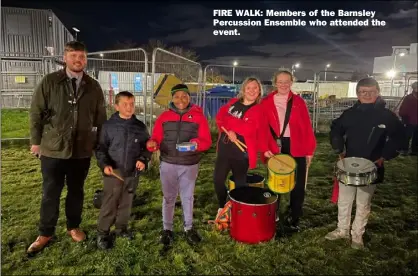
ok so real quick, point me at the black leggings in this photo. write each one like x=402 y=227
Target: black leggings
x=297 y=195
x=223 y=166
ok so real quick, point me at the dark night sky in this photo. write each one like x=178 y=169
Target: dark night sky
x=190 y=25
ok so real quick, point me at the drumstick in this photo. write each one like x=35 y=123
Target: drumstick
x=366 y=168
x=238 y=145
x=281 y=161
x=242 y=144
x=117 y=176
x=306 y=176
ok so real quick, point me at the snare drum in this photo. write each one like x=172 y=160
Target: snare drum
x=281 y=168
x=186 y=146
x=356 y=171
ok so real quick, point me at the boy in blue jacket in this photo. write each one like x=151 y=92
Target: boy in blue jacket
x=121 y=151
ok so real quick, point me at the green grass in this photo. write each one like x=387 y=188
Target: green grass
x=14 y=123
x=391 y=235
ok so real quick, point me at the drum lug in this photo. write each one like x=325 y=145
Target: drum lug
x=239 y=212
x=254 y=214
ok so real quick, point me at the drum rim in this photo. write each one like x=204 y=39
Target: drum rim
x=248 y=204
x=186 y=145
x=361 y=185
x=288 y=191
x=294 y=163
x=357 y=174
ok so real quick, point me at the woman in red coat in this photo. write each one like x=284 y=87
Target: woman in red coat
x=241 y=117
x=297 y=138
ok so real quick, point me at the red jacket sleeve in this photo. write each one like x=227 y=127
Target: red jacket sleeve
x=157 y=132
x=222 y=115
x=309 y=132
x=204 y=140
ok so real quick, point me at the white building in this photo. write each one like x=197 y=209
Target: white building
x=402 y=60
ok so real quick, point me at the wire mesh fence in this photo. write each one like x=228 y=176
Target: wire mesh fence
x=122 y=70
x=150 y=78
x=167 y=70
x=19 y=76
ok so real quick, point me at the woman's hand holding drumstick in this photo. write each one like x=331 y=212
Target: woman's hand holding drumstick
x=233 y=137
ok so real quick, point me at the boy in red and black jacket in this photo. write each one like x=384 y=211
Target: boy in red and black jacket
x=183 y=122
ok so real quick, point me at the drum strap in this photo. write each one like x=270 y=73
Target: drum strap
x=285 y=123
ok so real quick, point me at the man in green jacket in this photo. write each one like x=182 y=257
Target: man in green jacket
x=66 y=116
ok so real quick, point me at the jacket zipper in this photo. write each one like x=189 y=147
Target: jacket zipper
x=370 y=136
x=178 y=131
x=126 y=134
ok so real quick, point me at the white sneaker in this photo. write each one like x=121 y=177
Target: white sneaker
x=357 y=242
x=337 y=234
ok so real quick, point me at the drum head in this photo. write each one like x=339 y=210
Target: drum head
x=186 y=144
x=356 y=165
x=282 y=164
x=252 y=196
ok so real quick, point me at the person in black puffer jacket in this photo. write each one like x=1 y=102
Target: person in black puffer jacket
x=366 y=130
x=121 y=151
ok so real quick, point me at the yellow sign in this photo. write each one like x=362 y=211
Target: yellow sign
x=20 y=79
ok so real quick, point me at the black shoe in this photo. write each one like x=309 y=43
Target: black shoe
x=292 y=224
x=192 y=236
x=167 y=237
x=124 y=233
x=104 y=242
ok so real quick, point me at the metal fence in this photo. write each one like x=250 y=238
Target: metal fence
x=19 y=76
x=168 y=69
x=151 y=80
x=325 y=108
x=122 y=70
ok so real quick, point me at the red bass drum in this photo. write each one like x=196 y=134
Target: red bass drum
x=253 y=214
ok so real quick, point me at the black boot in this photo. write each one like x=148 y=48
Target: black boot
x=192 y=236
x=167 y=237
x=124 y=233
x=292 y=223
x=104 y=241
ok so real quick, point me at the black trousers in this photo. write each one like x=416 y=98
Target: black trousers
x=412 y=133
x=116 y=203
x=297 y=195
x=55 y=172
x=223 y=166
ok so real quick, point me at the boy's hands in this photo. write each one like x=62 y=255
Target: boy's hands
x=140 y=166
x=108 y=170
x=151 y=145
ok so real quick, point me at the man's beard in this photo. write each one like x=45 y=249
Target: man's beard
x=75 y=69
